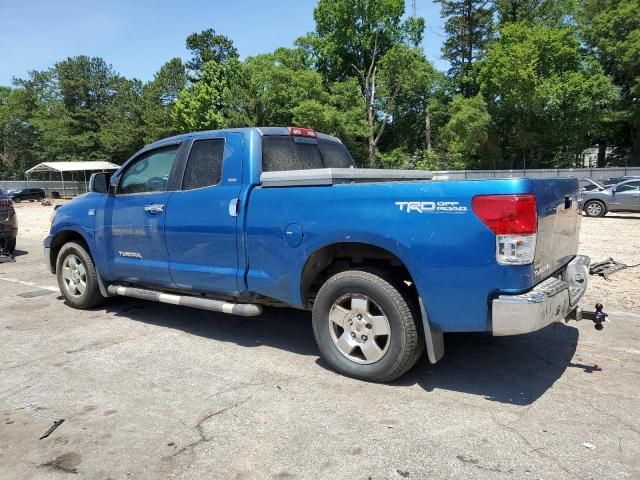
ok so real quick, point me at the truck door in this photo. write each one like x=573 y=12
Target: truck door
x=626 y=197
x=134 y=219
x=202 y=216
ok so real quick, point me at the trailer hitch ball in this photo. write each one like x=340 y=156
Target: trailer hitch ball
x=599 y=317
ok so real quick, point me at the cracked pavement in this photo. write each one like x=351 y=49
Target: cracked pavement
x=160 y=391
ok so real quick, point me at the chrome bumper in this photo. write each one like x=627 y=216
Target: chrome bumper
x=550 y=301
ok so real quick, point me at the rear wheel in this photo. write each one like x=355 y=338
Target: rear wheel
x=595 y=208
x=364 y=326
x=77 y=277
x=11 y=245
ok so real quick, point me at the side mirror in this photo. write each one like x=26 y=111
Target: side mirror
x=613 y=189
x=99 y=182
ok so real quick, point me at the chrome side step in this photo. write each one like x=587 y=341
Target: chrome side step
x=242 y=309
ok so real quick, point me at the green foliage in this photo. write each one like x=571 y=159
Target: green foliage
x=612 y=30
x=205 y=105
x=532 y=83
x=351 y=34
x=208 y=46
x=158 y=97
x=466 y=133
x=546 y=97
x=468 y=28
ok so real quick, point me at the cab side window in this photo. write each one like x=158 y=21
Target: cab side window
x=629 y=187
x=204 y=166
x=150 y=172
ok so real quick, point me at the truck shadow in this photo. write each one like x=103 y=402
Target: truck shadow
x=515 y=370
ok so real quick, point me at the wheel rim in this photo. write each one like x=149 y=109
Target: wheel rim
x=359 y=328
x=74 y=276
x=594 y=209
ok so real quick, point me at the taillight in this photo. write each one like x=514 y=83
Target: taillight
x=302 y=132
x=6 y=202
x=514 y=220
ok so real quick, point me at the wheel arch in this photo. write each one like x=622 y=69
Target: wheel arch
x=334 y=257
x=60 y=239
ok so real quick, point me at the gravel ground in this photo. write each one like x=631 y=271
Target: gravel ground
x=153 y=391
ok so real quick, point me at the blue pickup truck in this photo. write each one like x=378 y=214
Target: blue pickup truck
x=386 y=260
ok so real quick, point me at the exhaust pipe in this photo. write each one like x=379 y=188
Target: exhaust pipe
x=242 y=309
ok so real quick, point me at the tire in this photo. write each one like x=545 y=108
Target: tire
x=373 y=355
x=16 y=200
x=11 y=245
x=595 y=208
x=78 y=284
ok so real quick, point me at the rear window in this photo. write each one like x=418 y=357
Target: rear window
x=281 y=153
x=335 y=154
x=204 y=167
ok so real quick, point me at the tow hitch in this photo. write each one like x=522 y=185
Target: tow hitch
x=598 y=317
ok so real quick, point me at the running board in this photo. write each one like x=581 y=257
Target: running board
x=242 y=309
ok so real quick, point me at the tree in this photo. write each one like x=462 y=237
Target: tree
x=339 y=113
x=279 y=82
x=612 y=30
x=409 y=84
x=158 y=96
x=208 y=46
x=121 y=131
x=350 y=38
x=207 y=104
x=468 y=29
x=466 y=133
x=548 y=99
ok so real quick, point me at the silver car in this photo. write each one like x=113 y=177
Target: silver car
x=621 y=197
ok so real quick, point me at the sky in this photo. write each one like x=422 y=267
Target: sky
x=137 y=37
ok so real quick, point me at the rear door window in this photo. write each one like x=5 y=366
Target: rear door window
x=204 y=166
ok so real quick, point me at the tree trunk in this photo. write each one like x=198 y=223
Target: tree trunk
x=602 y=154
x=427 y=127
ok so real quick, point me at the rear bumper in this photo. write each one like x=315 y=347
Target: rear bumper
x=550 y=301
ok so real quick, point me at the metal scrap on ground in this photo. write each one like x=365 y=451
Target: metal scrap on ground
x=608 y=267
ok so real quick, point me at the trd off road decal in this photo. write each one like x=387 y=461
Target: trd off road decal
x=431 y=207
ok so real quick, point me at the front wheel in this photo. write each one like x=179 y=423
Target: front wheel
x=364 y=326
x=77 y=277
x=595 y=208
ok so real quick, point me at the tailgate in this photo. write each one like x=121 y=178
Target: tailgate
x=558 y=224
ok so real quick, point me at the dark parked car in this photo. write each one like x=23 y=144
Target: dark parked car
x=621 y=197
x=8 y=223
x=30 y=194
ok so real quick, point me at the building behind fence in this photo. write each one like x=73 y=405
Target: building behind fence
x=71 y=189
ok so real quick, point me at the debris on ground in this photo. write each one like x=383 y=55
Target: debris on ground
x=588 y=445
x=52 y=428
x=608 y=267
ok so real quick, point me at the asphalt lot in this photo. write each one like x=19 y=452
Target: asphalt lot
x=157 y=391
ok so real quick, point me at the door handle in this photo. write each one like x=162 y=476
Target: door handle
x=154 y=208
x=234 y=207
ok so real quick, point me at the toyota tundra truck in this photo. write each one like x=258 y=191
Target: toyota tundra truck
x=386 y=260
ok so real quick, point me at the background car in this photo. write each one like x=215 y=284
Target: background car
x=8 y=223
x=30 y=194
x=621 y=197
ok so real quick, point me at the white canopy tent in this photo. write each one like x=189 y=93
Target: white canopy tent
x=62 y=167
